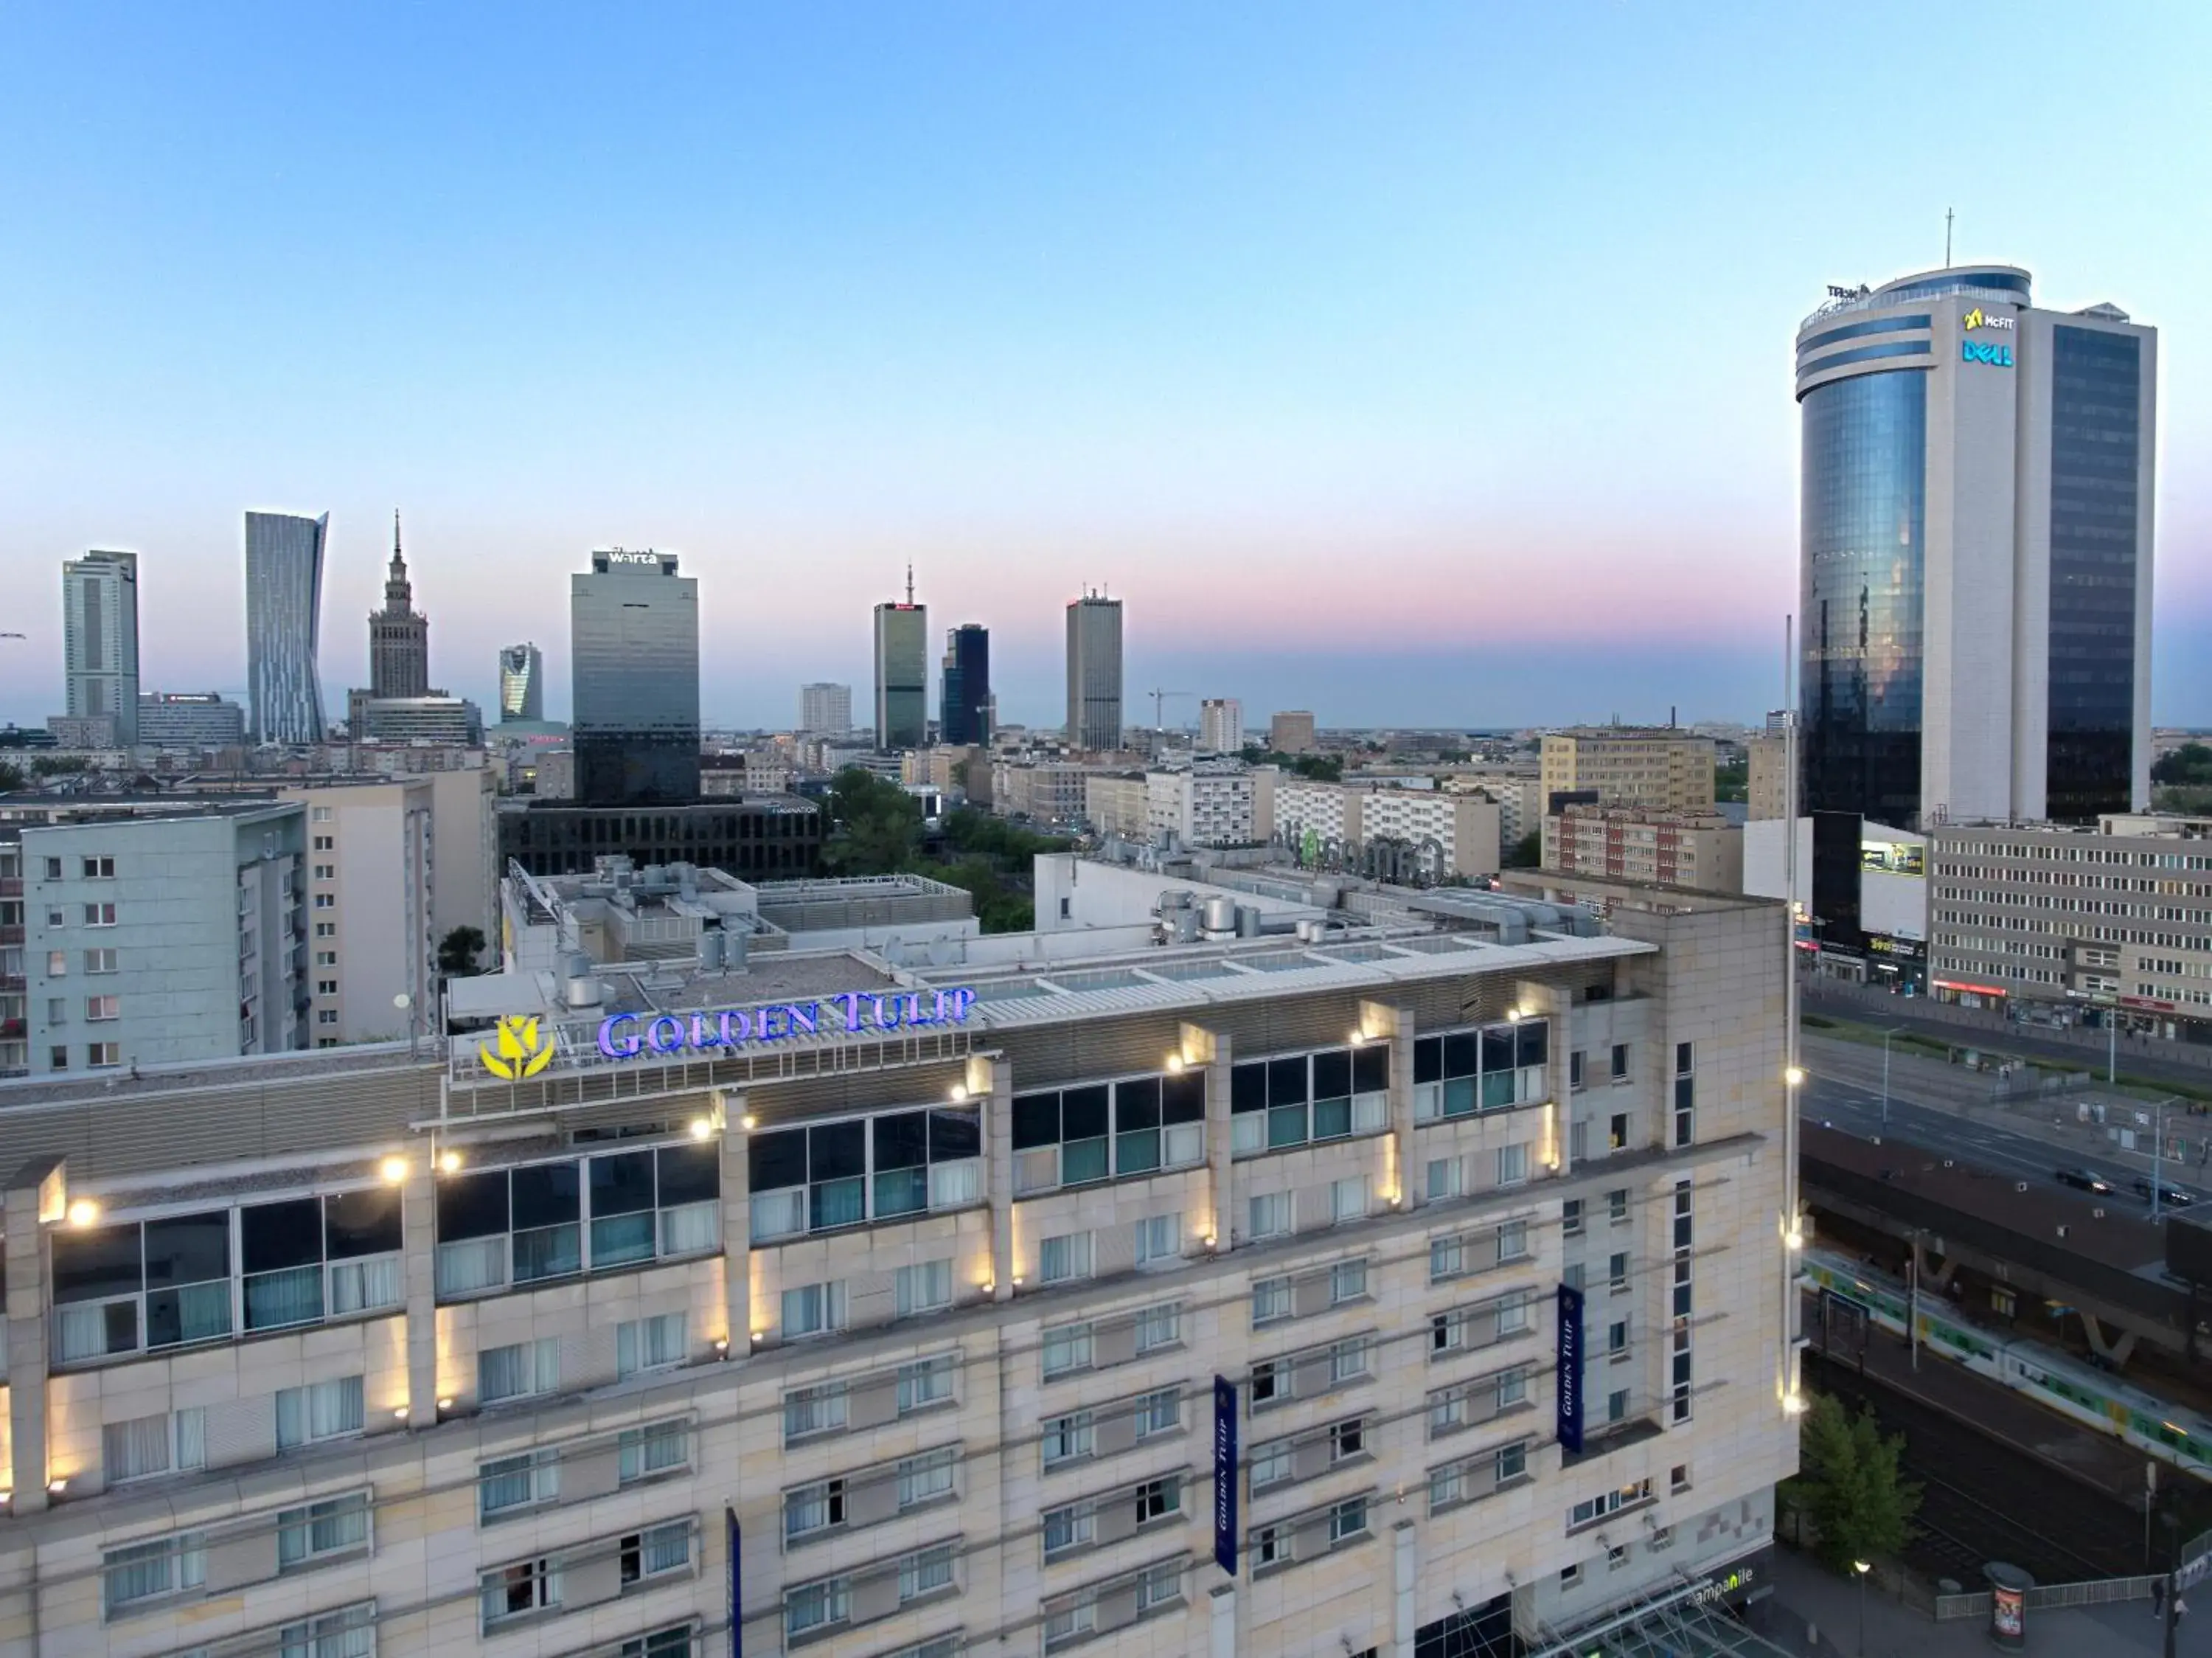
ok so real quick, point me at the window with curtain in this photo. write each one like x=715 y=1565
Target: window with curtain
x=317 y=1531
x=812 y=1309
x=650 y=1553
x=281 y=1255
x=510 y=1483
x=348 y=1634
x=925 y=1573
x=658 y=1448
x=153 y=1445
x=322 y=1410
x=651 y=1344
x=925 y=1382
x=518 y=1371
x=152 y=1571
x=925 y=1479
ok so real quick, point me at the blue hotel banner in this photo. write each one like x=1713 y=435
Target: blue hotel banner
x=736 y=1616
x=1224 y=1475
x=1570 y=1356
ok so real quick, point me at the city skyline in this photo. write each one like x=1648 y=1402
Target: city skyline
x=1107 y=360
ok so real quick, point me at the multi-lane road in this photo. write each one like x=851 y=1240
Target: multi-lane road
x=1943 y=1109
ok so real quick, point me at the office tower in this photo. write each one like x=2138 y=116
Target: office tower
x=964 y=715
x=399 y=637
x=283 y=612
x=1975 y=563
x=634 y=650
x=825 y=708
x=1221 y=725
x=1977 y=552
x=1094 y=673
x=903 y=672
x=521 y=682
x=99 y=639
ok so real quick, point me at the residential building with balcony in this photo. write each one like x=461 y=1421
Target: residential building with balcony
x=892 y=1306
x=1664 y=849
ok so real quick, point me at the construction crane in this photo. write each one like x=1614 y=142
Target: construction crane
x=1159 y=705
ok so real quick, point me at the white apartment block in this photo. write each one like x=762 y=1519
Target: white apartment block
x=1203 y=807
x=1464 y=827
x=152 y=937
x=892 y=1311
x=393 y=865
x=2118 y=917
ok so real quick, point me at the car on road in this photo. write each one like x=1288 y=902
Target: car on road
x=2083 y=1179
x=2173 y=1196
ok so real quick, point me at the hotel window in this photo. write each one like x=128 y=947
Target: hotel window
x=657 y=1449
x=522 y=1370
x=1488 y=1069
x=1279 y=1103
x=925 y=1382
x=144 y=1446
x=1621 y=1062
x=1347 y=1200
x=1063 y=1259
x=1160 y=1239
x=1347 y=1521
x=1271 y=1214
x=1104 y=1131
x=654 y=1553
x=661 y=1342
x=1066 y=1349
x=523 y=1225
x=1512 y=1164
x=1159 y=1411
x=519 y=1590
x=320 y=1411
x=147 y=1572
x=828 y=1175
x=1616 y=1206
x=921 y=1287
x=1570 y=1217
x=1271 y=1300
x=1066 y=1438
x=1686 y=1093
x=318 y=1531
x=811 y=1508
x=810 y=1410
x=509 y=1484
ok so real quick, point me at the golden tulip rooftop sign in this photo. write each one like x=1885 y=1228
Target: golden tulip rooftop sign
x=521 y=1049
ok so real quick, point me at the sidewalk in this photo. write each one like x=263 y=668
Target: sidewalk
x=1808 y=1597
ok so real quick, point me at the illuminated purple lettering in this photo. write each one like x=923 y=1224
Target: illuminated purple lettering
x=803 y=1017
x=766 y=1026
x=736 y=1027
x=623 y=1047
x=664 y=1034
x=704 y=1035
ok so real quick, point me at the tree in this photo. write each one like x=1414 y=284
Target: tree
x=1527 y=852
x=457 y=951
x=1848 y=1482
x=58 y=766
x=11 y=777
x=2190 y=764
x=876 y=826
x=1732 y=782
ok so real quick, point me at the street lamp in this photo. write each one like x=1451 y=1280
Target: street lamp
x=1886 y=1035
x=1860 y=1568
x=405 y=1003
x=2158 y=1154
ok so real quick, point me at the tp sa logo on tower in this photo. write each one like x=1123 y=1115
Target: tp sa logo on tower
x=519 y=1051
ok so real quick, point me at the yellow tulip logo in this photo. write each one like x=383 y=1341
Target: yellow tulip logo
x=519 y=1051
x=1974 y=319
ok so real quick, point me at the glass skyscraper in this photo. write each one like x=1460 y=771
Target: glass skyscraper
x=634 y=646
x=521 y=682
x=283 y=625
x=964 y=713
x=1976 y=559
x=903 y=672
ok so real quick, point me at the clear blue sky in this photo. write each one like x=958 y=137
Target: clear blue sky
x=1411 y=364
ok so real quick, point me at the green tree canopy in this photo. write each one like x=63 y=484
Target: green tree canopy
x=11 y=777
x=457 y=951
x=1850 y=1484
x=1527 y=852
x=875 y=826
x=2189 y=765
